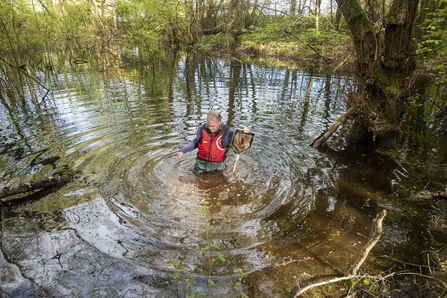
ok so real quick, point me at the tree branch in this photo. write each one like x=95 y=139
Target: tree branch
x=376 y=232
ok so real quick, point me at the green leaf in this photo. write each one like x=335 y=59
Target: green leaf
x=54 y=231
x=245 y=296
x=179 y=266
x=237 y=285
x=193 y=294
x=202 y=208
x=215 y=245
x=221 y=257
x=188 y=281
x=177 y=274
x=170 y=262
x=203 y=295
x=206 y=202
x=201 y=232
x=211 y=283
x=367 y=282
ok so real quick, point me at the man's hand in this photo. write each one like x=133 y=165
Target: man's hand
x=180 y=154
x=246 y=130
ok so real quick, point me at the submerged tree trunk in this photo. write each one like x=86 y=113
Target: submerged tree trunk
x=384 y=84
x=33 y=185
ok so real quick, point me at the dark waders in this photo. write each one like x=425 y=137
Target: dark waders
x=202 y=166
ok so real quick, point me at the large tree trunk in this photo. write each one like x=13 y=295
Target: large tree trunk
x=384 y=85
x=236 y=24
x=292 y=7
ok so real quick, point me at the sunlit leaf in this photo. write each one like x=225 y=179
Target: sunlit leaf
x=193 y=294
x=221 y=257
x=211 y=283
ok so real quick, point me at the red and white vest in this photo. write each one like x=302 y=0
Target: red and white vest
x=211 y=148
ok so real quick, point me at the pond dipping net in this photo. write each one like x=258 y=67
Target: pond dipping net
x=242 y=141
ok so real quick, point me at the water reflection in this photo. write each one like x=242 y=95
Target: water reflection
x=140 y=205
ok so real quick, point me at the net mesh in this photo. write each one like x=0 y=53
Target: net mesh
x=242 y=141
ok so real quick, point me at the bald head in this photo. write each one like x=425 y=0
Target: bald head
x=214 y=115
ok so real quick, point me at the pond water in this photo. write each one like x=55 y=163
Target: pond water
x=288 y=214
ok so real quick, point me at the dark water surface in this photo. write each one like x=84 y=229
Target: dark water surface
x=139 y=206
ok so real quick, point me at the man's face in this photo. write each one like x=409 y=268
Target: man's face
x=214 y=125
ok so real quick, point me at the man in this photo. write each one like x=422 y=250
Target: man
x=213 y=140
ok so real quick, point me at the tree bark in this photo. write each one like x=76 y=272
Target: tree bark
x=318 y=142
x=33 y=185
x=337 y=19
x=236 y=24
x=384 y=85
x=292 y=7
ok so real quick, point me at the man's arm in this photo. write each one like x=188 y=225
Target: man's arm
x=191 y=145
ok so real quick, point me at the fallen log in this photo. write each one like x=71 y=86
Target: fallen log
x=33 y=185
x=318 y=142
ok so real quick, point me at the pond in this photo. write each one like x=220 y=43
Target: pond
x=288 y=214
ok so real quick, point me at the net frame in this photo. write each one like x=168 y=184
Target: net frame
x=239 y=136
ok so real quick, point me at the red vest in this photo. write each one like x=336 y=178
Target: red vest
x=211 y=149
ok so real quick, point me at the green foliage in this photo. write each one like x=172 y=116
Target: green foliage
x=242 y=275
x=288 y=33
x=141 y=25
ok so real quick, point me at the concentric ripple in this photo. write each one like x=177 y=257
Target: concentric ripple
x=122 y=131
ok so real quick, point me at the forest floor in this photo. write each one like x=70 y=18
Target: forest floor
x=289 y=53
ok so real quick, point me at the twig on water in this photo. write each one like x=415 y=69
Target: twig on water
x=376 y=232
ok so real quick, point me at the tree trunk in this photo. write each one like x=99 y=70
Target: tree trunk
x=337 y=19
x=292 y=7
x=317 y=13
x=321 y=140
x=384 y=86
x=236 y=25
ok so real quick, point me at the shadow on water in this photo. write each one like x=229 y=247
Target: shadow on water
x=289 y=213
